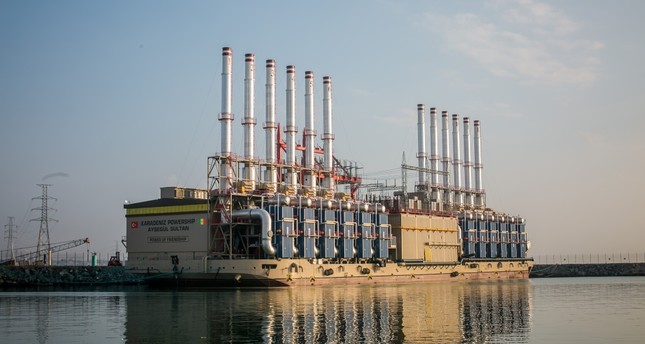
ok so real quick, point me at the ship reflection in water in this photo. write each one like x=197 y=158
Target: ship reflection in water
x=441 y=312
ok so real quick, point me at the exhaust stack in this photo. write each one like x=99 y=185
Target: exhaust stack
x=309 y=133
x=467 y=164
x=270 y=127
x=249 y=123
x=479 y=186
x=456 y=162
x=421 y=155
x=445 y=159
x=434 y=155
x=328 y=136
x=226 y=118
x=291 y=129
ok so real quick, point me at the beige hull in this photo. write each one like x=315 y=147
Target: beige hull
x=302 y=272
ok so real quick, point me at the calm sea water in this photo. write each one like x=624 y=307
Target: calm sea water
x=566 y=310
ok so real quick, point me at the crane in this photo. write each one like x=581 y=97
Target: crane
x=54 y=248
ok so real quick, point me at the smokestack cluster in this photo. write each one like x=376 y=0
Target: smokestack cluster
x=462 y=193
x=289 y=169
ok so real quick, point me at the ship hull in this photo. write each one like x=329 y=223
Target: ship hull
x=268 y=273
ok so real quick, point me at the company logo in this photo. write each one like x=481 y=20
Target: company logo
x=134 y=224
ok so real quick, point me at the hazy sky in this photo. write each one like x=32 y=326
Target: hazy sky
x=108 y=101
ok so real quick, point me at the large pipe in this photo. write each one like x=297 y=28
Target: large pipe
x=309 y=132
x=467 y=164
x=328 y=136
x=479 y=186
x=421 y=155
x=291 y=129
x=226 y=117
x=445 y=159
x=265 y=218
x=249 y=120
x=270 y=126
x=456 y=162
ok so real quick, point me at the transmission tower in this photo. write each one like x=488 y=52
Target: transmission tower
x=9 y=235
x=43 y=234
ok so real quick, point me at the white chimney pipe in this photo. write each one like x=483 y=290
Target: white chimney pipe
x=421 y=155
x=328 y=136
x=309 y=132
x=249 y=121
x=291 y=129
x=467 y=164
x=434 y=154
x=270 y=126
x=434 y=147
x=445 y=160
x=479 y=186
x=226 y=117
x=456 y=162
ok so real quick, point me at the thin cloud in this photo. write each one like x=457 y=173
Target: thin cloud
x=527 y=40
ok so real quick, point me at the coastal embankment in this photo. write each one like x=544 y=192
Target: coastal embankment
x=66 y=275
x=587 y=270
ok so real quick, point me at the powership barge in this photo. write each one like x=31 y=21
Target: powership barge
x=289 y=220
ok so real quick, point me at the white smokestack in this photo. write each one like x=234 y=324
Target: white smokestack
x=291 y=129
x=270 y=126
x=479 y=186
x=309 y=133
x=328 y=136
x=456 y=162
x=445 y=160
x=421 y=155
x=467 y=164
x=249 y=121
x=226 y=117
x=434 y=154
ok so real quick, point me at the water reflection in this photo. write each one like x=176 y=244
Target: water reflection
x=442 y=312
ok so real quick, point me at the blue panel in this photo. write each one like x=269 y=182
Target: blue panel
x=381 y=245
x=512 y=245
x=307 y=232
x=346 y=242
x=283 y=230
x=521 y=247
x=365 y=235
x=503 y=244
x=492 y=244
x=284 y=238
x=481 y=240
x=364 y=241
x=327 y=241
